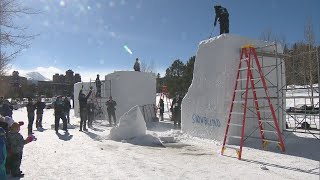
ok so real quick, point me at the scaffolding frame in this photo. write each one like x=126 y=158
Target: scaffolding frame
x=281 y=92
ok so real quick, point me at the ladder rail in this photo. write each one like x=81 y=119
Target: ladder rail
x=268 y=98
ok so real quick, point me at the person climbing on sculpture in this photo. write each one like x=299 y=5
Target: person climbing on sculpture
x=136 y=66
x=111 y=108
x=222 y=16
x=98 y=85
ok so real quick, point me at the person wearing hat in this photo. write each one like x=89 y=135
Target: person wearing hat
x=59 y=113
x=15 y=144
x=176 y=111
x=136 y=66
x=7 y=108
x=30 y=109
x=222 y=16
x=83 y=109
x=3 y=154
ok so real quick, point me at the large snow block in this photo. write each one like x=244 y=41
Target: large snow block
x=132 y=125
x=206 y=106
x=127 y=88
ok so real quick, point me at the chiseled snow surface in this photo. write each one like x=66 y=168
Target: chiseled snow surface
x=79 y=155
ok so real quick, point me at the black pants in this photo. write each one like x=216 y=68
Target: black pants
x=30 y=123
x=177 y=117
x=83 y=118
x=113 y=114
x=39 y=120
x=224 y=26
x=59 y=116
x=14 y=162
x=90 y=118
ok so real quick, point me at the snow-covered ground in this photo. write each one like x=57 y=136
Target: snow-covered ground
x=89 y=155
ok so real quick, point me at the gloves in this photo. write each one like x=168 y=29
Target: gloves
x=21 y=123
x=29 y=139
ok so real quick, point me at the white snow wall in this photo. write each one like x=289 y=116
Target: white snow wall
x=206 y=106
x=127 y=88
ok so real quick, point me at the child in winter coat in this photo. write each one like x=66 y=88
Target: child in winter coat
x=15 y=143
x=3 y=154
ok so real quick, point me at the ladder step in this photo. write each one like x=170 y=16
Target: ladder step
x=231 y=124
x=231 y=147
x=237 y=113
x=272 y=141
x=240 y=90
x=265 y=121
x=238 y=101
x=246 y=68
x=238 y=137
x=245 y=59
x=269 y=131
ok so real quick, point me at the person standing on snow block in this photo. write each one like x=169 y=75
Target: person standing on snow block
x=136 y=66
x=83 y=109
x=111 y=108
x=223 y=16
x=67 y=106
x=98 y=85
x=59 y=113
x=30 y=109
x=3 y=154
x=15 y=143
x=161 y=107
x=39 y=106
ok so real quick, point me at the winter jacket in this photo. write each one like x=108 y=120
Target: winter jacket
x=7 y=110
x=111 y=105
x=83 y=99
x=59 y=107
x=3 y=155
x=161 y=103
x=136 y=66
x=67 y=104
x=30 y=108
x=15 y=142
x=40 y=106
x=98 y=83
x=90 y=108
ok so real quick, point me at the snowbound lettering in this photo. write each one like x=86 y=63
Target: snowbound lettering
x=205 y=120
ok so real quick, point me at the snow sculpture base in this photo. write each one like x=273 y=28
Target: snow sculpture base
x=206 y=105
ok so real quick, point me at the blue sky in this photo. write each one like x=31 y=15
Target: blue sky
x=88 y=36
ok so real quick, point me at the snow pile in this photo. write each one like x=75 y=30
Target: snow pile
x=206 y=106
x=131 y=125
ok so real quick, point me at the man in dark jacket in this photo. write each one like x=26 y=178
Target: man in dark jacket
x=90 y=108
x=111 y=108
x=59 y=114
x=136 y=66
x=7 y=109
x=223 y=16
x=30 y=109
x=83 y=109
x=67 y=106
x=39 y=106
x=161 y=107
x=176 y=111
x=98 y=85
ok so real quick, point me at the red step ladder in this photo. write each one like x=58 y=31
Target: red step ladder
x=249 y=58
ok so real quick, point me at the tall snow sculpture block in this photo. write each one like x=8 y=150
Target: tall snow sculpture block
x=206 y=106
x=127 y=88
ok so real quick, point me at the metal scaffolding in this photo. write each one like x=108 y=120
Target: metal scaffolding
x=297 y=103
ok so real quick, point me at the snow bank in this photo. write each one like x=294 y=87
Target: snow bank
x=127 y=88
x=132 y=124
x=206 y=105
